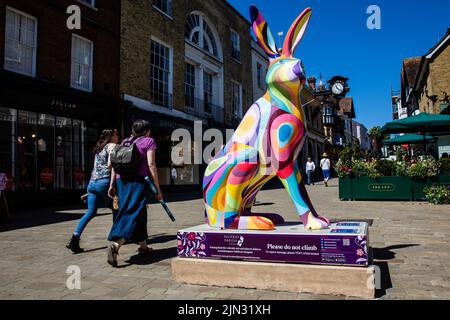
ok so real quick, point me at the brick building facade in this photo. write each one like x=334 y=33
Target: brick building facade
x=60 y=87
x=425 y=80
x=432 y=82
x=184 y=61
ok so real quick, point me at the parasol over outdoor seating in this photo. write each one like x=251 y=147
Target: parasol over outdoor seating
x=423 y=123
x=409 y=138
x=438 y=124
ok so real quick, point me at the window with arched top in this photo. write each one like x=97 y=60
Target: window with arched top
x=199 y=33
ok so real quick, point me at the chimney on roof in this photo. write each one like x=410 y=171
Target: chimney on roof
x=312 y=83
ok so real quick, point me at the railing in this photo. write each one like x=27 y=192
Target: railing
x=162 y=99
x=203 y=109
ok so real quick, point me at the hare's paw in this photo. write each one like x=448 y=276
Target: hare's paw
x=252 y=223
x=314 y=223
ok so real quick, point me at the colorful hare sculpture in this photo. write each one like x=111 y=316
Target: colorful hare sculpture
x=266 y=143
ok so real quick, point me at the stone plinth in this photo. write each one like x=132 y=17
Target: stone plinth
x=317 y=279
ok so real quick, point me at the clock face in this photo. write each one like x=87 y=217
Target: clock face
x=337 y=88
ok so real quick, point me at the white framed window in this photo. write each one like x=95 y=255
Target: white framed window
x=198 y=32
x=160 y=74
x=20 y=42
x=235 y=46
x=164 y=6
x=82 y=63
x=236 y=99
x=189 y=85
x=207 y=91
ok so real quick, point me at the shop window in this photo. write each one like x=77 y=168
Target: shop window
x=41 y=151
x=26 y=150
x=185 y=174
x=81 y=73
x=8 y=147
x=63 y=153
x=79 y=154
x=45 y=146
x=20 y=42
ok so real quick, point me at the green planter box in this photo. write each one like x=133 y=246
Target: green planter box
x=345 y=188
x=383 y=188
x=387 y=188
x=445 y=180
x=419 y=185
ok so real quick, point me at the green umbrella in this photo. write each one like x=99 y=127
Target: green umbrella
x=423 y=123
x=409 y=138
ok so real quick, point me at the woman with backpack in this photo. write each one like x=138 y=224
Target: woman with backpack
x=132 y=189
x=98 y=185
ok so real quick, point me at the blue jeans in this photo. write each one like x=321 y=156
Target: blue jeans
x=97 y=196
x=326 y=174
x=309 y=173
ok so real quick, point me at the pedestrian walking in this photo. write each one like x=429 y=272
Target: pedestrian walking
x=325 y=164
x=133 y=192
x=310 y=167
x=97 y=190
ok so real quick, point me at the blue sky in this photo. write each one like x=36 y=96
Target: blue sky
x=338 y=42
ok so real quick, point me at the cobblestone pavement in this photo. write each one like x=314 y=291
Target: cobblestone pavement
x=410 y=242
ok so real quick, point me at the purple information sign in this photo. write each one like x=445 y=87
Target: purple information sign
x=336 y=246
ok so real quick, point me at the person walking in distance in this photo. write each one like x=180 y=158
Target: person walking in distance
x=310 y=167
x=325 y=164
x=98 y=185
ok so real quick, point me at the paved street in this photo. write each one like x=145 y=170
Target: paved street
x=410 y=242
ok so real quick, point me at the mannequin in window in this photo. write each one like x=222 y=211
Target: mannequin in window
x=44 y=160
x=42 y=145
x=174 y=175
x=21 y=150
x=59 y=150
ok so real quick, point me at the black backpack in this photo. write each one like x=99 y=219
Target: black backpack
x=125 y=159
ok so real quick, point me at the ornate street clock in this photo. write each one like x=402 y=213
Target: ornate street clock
x=338 y=86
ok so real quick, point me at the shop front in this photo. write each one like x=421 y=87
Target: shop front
x=174 y=177
x=46 y=134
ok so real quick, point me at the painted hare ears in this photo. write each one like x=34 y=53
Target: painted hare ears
x=265 y=37
x=296 y=33
x=262 y=33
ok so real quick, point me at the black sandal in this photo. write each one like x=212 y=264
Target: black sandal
x=112 y=255
x=143 y=251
